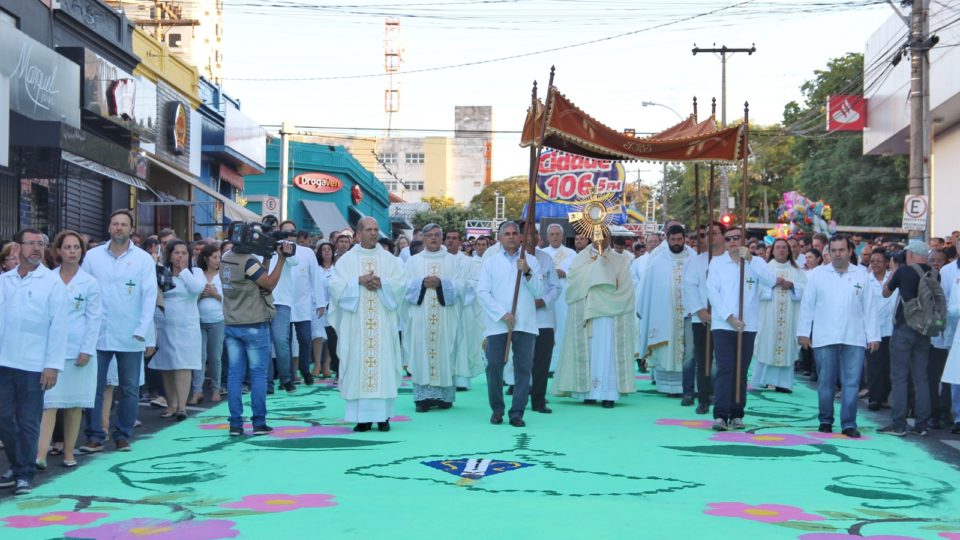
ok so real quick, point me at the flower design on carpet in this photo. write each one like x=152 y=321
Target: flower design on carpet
x=475 y=468
x=764 y=439
x=692 y=424
x=159 y=529
x=766 y=513
x=282 y=502
x=223 y=426
x=843 y=536
x=53 y=518
x=950 y=535
x=301 y=432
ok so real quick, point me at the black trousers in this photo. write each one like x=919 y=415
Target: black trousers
x=704 y=376
x=332 y=349
x=940 y=398
x=878 y=372
x=542 y=353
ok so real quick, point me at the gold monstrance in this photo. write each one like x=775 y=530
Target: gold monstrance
x=592 y=217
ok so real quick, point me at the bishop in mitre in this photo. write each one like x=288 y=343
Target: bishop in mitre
x=366 y=289
x=562 y=259
x=596 y=361
x=776 y=350
x=433 y=297
x=666 y=334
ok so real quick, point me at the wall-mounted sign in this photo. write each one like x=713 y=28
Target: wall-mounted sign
x=177 y=127
x=357 y=194
x=846 y=113
x=318 y=182
x=43 y=84
x=271 y=206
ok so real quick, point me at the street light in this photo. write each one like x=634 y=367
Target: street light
x=671 y=109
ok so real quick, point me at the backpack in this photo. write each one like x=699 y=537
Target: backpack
x=927 y=313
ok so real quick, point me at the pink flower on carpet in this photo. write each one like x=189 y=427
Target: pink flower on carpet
x=843 y=536
x=160 y=529
x=692 y=424
x=767 y=513
x=828 y=436
x=302 y=432
x=400 y=418
x=282 y=502
x=764 y=439
x=52 y=518
x=950 y=535
x=221 y=427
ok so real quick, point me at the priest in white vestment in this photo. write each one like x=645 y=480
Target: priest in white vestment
x=366 y=289
x=596 y=361
x=776 y=350
x=433 y=294
x=666 y=334
x=562 y=259
x=469 y=356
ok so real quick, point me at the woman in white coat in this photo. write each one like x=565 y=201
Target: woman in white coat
x=76 y=386
x=179 y=340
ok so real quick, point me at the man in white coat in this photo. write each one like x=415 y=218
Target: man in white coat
x=433 y=295
x=366 y=289
x=562 y=259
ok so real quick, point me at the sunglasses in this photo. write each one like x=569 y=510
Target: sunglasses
x=732 y=238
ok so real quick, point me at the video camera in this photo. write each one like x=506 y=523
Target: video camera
x=261 y=239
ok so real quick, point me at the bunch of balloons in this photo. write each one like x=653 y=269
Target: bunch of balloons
x=800 y=215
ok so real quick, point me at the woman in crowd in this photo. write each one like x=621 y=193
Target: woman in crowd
x=814 y=259
x=325 y=258
x=152 y=377
x=9 y=256
x=401 y=243
x=211 y=324
x=76 y=386
x=179 y=341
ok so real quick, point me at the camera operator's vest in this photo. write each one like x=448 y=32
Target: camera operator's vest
x=244 y=302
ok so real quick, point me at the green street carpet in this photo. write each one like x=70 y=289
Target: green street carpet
x=648 y=468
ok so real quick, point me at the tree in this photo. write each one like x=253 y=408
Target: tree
x=514 y=189
x=449 y=219
x=437 y=202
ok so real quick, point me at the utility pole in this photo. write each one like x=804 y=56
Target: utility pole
x=724 y=51
x=285 y=130
x=920 y=45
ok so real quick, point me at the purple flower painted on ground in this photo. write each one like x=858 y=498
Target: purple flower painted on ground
x=303 y=432
x=950 y=535
x=221 y=426
x=692 y=424
x=400 y=418
x=828 y=436
x=767 y=513
x=843 y=536
x=282 y=502
x=159 y=529
x=764 y=439
x=53 y=518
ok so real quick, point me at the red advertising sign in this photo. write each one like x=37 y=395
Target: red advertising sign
x=846 y=113
x=318 y=182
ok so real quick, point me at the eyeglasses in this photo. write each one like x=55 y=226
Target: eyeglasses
x=732 y=238
x=34 y=243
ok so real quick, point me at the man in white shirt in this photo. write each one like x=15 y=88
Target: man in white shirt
x=546 y=322
x=878 y=362
x=837 y=310
x=723 y=290
x=495 y=293
x=696 y=301
x=128 y=287
x=33 y=346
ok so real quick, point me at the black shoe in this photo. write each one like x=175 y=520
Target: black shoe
x=462 y=389
x=852 y=432
x=544 y=409
x=422 y=406
x=687 y=401
x=703 y=408
x=444 y=405
x=262 y=430
x=510 y=390
x=270 y=389
x=890 y=430
x=873 y=406
x=181 y=416
x=236 y=431
x=245 y=389
x=7 y=480
x=307 y=378
x=289 y=387
x=920 y=430
x=606 y=404
x=955 y=429
x=782 y=390
x=589 y=401
x=825 y=428
x=363 y=426
x=23 y=488
x=496 y=418
x=383 y=426
x=935 y=424
x=517 y=422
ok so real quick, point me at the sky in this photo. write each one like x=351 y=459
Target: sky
x=321 y=65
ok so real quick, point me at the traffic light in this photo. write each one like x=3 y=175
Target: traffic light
x=726 y=219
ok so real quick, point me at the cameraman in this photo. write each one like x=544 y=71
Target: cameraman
x=248 y=309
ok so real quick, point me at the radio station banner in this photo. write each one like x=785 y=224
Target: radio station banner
x=563 y=180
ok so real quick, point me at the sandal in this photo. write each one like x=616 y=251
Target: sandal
x=168 y=415
x=181 y=416
x=54 y=451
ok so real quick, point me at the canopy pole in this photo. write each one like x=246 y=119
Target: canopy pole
x=743 y=232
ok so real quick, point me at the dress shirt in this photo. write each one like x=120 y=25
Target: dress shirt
x=837 y=308
x=723 y=290
x=495 y=292
x=128 y=287
x=35 y=321
x=885 y=306
x=284 y=294
x=693 y=288
x=550 y=290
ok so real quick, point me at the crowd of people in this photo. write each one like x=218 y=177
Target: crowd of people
x=90 y=331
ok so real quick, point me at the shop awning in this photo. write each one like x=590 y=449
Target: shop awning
x=104 y=170
x=231 y=210
x=235 y=212
x=326 y=215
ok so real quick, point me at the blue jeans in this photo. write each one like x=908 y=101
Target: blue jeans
x=909 y=353
x=845 y=362
x=212 y=349
x=522 y=344
x=726 y=405
x=21 y=407
x=129 y=364
x=248 y=348
x=280 y=334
